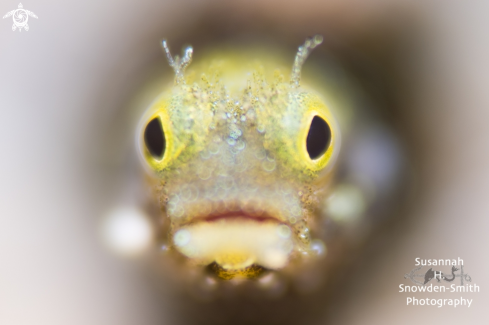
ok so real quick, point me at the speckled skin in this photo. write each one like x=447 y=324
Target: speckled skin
x=235 y=133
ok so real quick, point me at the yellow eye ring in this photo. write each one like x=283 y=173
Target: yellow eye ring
x=331 y=151
x=157 y=113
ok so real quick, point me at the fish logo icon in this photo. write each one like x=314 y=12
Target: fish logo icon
x=438 y=275
x=20 y=16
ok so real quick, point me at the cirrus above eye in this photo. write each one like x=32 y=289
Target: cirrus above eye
x=154 y=138
x=318 y=138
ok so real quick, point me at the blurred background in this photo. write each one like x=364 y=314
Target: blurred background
x=65 y=86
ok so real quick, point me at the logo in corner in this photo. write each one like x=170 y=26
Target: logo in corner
x=442 y=282
x=20 y=16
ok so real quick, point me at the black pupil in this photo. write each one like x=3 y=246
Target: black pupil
x=318 y=138
x=154 y=138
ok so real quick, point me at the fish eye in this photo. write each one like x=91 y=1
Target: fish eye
x=318 y=138
x=154 y=138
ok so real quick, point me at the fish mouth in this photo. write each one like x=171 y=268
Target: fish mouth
x=236 y=215
x=235 y=241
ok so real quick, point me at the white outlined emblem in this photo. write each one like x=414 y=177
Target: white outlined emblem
x=20 y=17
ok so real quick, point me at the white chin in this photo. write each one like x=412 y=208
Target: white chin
x=236 y=243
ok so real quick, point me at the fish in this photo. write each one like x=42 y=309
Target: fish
x=242 y=156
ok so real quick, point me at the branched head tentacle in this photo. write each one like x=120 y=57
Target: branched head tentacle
x=178 y=64
x=301 y=56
